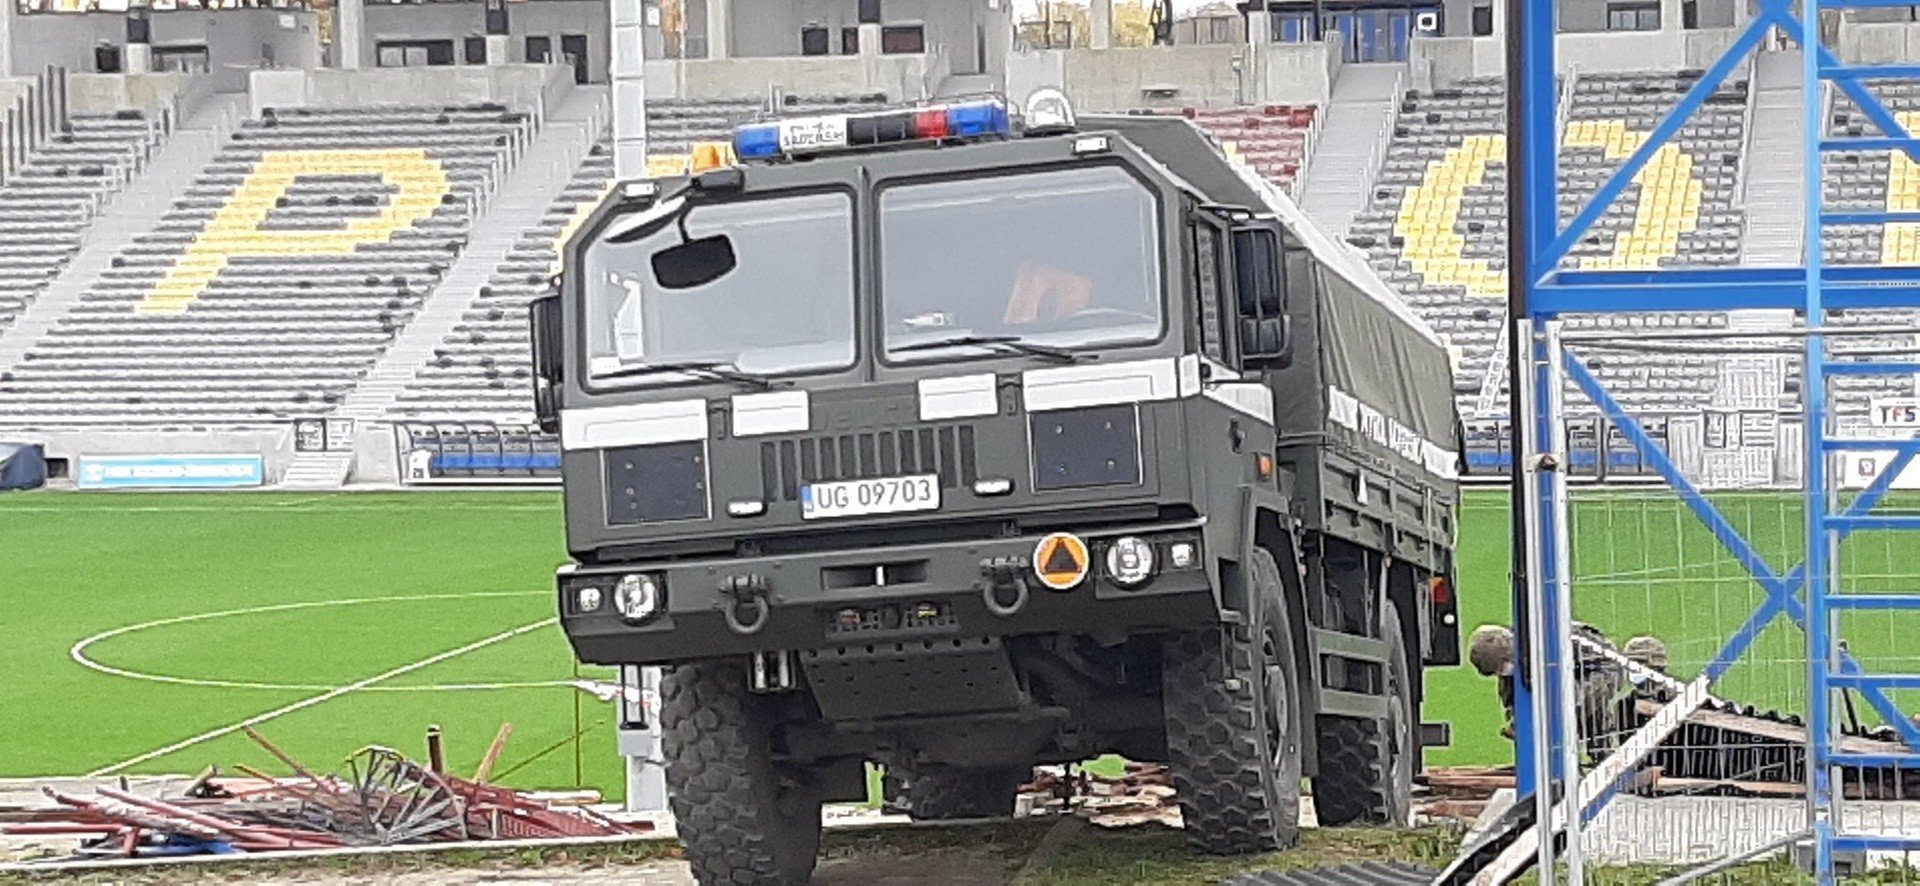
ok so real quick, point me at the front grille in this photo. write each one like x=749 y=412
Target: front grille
x=946 y=450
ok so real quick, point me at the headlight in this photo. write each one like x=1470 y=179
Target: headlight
x=637 y=597
x=587 y=599
x=1129 y=561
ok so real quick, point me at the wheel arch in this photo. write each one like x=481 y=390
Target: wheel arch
x=1271 y=527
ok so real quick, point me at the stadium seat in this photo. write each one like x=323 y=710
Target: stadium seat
x=275 y=282
x=47 y=203
x=1436 y=228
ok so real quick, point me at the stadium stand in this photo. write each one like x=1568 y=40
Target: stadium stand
x=674 y=126
x=1436 y=230
x=484 y=369
x=1273 y=138
x=1872 y=181
x=282 y=274
x=45 y=207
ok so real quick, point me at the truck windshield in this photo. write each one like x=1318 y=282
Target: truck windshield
x=1066 y=258
x=786 y=307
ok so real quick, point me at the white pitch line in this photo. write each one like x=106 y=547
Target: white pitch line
x=78 y=652
x=324 y=696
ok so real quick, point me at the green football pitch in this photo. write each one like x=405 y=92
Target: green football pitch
x=142 y=630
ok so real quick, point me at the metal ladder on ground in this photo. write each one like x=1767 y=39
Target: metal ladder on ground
x=1829 y=520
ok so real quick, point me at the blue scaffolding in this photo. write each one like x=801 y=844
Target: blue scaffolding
x=1541 y=290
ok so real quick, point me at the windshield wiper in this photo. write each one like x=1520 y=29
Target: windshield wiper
x=1008 y=343
x=722 y=370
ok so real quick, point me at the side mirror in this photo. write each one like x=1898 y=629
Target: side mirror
x=1260 y=284
x=694 y=263
x=543 y=317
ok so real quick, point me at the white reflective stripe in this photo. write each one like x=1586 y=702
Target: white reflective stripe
x=1096 y=384
x=1252 y=398
x=1190 y=374
x=1349 y=412
x=960 y=396
x=774 y=412
x=1343 y=409
x=634 y=424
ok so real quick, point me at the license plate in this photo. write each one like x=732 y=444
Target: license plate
x=813 y=132
x=885 y=495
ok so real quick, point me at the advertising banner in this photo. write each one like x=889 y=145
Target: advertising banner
x=171 y=471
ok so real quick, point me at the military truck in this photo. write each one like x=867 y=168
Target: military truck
x=957 y=440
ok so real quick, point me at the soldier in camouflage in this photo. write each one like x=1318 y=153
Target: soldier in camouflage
x=1600 y=681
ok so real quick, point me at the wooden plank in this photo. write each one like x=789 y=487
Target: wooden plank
x=499 y=744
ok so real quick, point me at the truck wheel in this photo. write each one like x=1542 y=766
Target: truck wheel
x=941 y=793
x=1232 y=709
x=1366 y=766
x=741 y=818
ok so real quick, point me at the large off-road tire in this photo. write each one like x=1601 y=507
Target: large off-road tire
x=931 y=792
x=1231 y=696
x=742 y=819
x=1366 y=765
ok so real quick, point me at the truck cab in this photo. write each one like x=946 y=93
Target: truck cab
x=958 y=440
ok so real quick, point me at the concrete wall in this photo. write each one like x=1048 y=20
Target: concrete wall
x=457 y=21
x=1300 y=73
x=1578 y=16
x=516 y=86
x=11 y=88
x=87 y=93
x=901 y=77
x=1438 y=62
x=274 y=444
x=236 y=40
x=1121 y=78
x=772 y=27
x=1879 y=42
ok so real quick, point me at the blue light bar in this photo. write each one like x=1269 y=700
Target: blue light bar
x=800 y=136
x=975 y=119
x=757 y=141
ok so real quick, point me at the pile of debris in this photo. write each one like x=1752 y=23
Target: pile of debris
x=1141 y=794
x=379 y=798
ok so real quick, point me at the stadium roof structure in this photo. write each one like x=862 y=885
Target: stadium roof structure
x=1541 y=291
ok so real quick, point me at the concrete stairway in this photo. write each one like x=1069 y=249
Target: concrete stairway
x=134 y=211
x=317 y=470
x=529 y=190
x=1354 y=131
x=1776 y=193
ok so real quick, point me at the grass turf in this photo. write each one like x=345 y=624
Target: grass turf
x=436 y=571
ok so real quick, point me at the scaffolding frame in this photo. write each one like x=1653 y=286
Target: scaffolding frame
x=1540 y=292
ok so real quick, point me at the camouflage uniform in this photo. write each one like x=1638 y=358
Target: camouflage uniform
x=1600 y=682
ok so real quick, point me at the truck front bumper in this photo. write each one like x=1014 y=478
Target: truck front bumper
x=908 y=594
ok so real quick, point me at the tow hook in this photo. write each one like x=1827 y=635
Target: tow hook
x=1005 y=589
x=746 y=610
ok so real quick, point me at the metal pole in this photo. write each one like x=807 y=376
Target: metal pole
x=1558 y=567
x=1821 y=803
x=1532 y=721
x=627 y=71
x=1532 y=224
